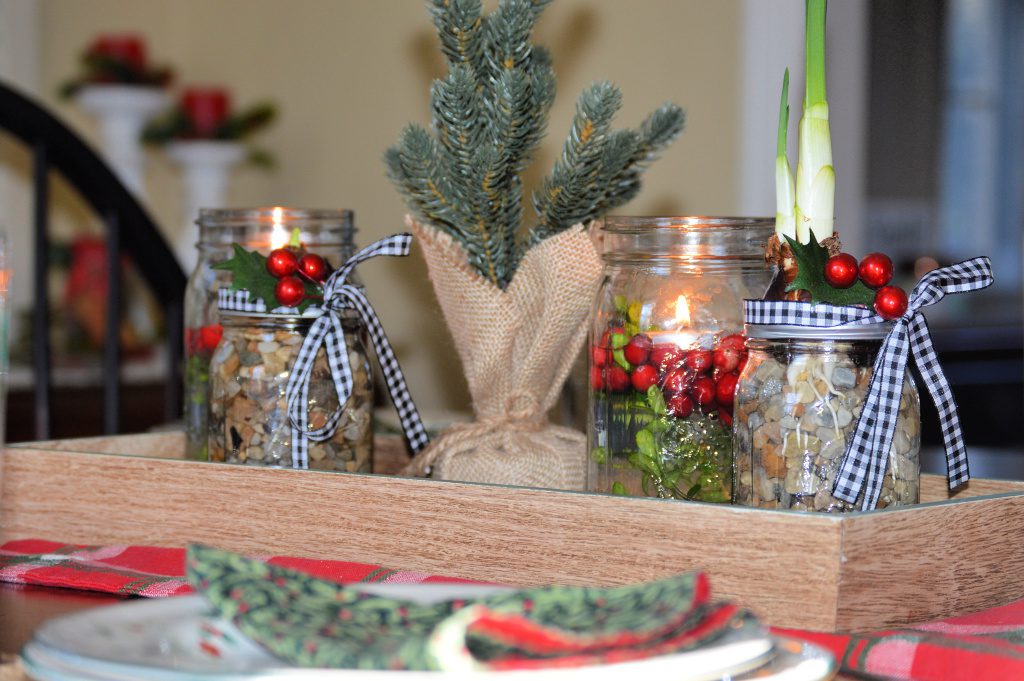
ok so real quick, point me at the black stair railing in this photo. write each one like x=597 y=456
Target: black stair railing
x=129 y=230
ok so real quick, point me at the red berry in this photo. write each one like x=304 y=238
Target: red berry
x=890 y=302
x=677 y=381
x=735 y=341
x=290 y=291
x=597 y=378
x=703 y=391
x=699 y=360
x=644 y=376
x=725 y=416
x=638 y=349
x=600 y=356
x=876 y=270
x=209 y=337
x=618 y=379
x=841 y=270
x=725 y=390
x=313 y=267
x=679 y=406
x=727 y=359
x=282 y=262
x=666 y=356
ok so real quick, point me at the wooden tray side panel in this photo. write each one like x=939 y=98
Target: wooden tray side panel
x=782 y=565
x=894 y=573
x=936 y=488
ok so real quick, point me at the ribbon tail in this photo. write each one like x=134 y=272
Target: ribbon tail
x=867 y=455
x=341 y=375
x=297 y=391
x=412 y=425
x=927 y=360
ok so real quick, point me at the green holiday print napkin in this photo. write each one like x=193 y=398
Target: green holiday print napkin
x=314 y=623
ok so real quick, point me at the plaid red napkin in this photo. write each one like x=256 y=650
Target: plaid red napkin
x=984 y=646
x=154 y=571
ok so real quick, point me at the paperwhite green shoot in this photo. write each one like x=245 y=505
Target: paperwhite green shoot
x=814 y=208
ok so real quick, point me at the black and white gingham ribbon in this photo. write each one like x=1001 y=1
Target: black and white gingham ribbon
x=327 y=331
x=863 y=465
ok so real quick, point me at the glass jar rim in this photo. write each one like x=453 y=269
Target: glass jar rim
x=783 y=332
x=640 y=224
x=270 y=215
x=681 y=240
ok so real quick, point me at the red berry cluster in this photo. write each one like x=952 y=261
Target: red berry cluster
x=689 y=379
x=875 y=270
x=202 y=340
x=288 y=265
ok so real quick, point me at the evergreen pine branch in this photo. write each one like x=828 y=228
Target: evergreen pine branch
x=656 y=132
x=457 y=119
x=572 y=191
x=507 y=42
x=459 y=27
x=415 y=166
x=488 y=116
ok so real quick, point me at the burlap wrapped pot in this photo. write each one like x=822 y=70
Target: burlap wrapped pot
x=517 y=347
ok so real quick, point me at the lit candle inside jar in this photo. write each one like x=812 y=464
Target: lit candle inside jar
x=682 y=336
x=278 y=233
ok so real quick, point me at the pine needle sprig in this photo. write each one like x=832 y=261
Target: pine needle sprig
x=489 y=115
x=573 y=189
x=657 y=131
x=459 y=26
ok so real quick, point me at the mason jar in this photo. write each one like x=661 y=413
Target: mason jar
x=665 y=351
x=328 y=233
x=797 y=406
x=249 y=422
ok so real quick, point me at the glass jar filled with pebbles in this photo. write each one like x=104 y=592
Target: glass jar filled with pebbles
x=249 y=421
x=665 y=353
x=326 y=232
x=797 y=405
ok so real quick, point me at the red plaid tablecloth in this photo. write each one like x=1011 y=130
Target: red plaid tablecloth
x=985 y=646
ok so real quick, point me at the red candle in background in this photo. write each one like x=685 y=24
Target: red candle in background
x=129 y=48
x=206 y=108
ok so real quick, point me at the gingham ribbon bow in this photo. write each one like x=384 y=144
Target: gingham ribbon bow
x=867 y=455
x=327 y=331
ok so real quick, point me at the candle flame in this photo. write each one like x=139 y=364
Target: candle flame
x=682 y=311
x=278 y=235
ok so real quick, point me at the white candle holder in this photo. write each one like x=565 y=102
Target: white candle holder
x=123 y=111
x=207 y=166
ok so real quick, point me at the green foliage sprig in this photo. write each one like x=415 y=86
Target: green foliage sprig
x=175 y=124
x=101 y=69
x=488 y=116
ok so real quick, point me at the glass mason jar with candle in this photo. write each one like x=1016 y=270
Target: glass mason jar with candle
x=328 y=233
x=665 y=352
x=797 y=405
x=249 y=421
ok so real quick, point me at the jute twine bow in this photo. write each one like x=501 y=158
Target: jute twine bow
x=863 y=466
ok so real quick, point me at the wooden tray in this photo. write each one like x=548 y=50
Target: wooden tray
x=856 y=572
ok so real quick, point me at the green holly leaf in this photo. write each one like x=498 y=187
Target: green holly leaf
x=810 y=277
x=249 y=272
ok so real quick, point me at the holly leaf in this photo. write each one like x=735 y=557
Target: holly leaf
x=810 y=263
x=249 y=272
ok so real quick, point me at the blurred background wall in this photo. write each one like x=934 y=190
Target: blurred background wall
x=348 y=74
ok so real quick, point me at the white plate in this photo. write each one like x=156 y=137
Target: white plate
x=179 y=639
